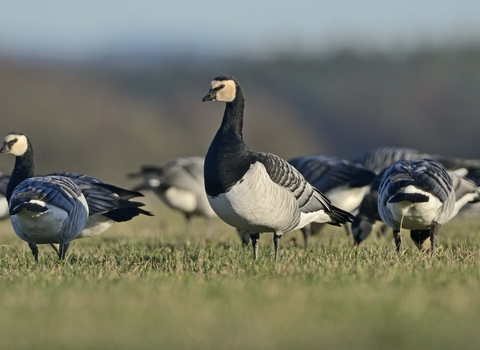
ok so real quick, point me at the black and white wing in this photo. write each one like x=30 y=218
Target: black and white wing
x=309 y=199
x=108 y=200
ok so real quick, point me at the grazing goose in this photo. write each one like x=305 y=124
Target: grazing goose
x=416 y=195
x=465 y=189
x=3 y=192
x=43 y=210
x=466 y=192
x=377 y=160
x=343 y=182
x=180 y=185
x=257 y=192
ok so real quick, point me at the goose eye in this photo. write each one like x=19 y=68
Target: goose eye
x=219 y=87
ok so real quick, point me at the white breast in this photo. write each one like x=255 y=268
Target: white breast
x=257 y=204
x=416 y=216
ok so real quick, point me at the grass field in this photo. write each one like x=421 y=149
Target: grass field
x=147 y=284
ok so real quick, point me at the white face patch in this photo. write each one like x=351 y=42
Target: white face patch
x=19 y=147
x=226 y=93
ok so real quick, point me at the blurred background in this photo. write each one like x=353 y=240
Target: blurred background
x=102 y=87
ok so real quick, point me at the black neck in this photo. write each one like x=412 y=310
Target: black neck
x=24 y=169
x=229 y=137
x=233 y=115
x=228 y=157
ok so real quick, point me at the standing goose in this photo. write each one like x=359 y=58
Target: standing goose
x=416 y=195
x=43 y=210
x=257 y=192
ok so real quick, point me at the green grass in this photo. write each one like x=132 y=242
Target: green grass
x=147 y=284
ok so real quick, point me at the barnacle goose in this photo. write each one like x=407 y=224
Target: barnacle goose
x=43 y=210
x=461 y=170
x=3 y=192
x=377 y=160
x=343 y=182
x=420 y=196
x=107 y=203
x=180 y=185
x=467 y=194
x=257 y=192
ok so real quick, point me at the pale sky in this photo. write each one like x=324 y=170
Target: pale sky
x=95 y=27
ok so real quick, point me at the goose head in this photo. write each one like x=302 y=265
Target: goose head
x=223 y=89
x=15 y=143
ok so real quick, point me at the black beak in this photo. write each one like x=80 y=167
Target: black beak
x=4 y=149
x=210 y=96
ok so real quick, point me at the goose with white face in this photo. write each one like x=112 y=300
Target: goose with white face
x=52 y=209
x=222 y=91
x=255 y=191
x=15 y=144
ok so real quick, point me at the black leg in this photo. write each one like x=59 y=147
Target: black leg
x=54 y=247
x=63 y=250
x=255 y=237
x=433 y=235
x=34 y=249
x=398 y=240
x=276 y=243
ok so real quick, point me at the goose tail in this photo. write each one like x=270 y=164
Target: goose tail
x=340 y=216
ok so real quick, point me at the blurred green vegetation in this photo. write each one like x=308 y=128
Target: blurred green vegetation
x=108 y=117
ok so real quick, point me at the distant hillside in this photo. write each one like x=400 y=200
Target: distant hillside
x=107 y=118
x=351 y=103
x=77 y=124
